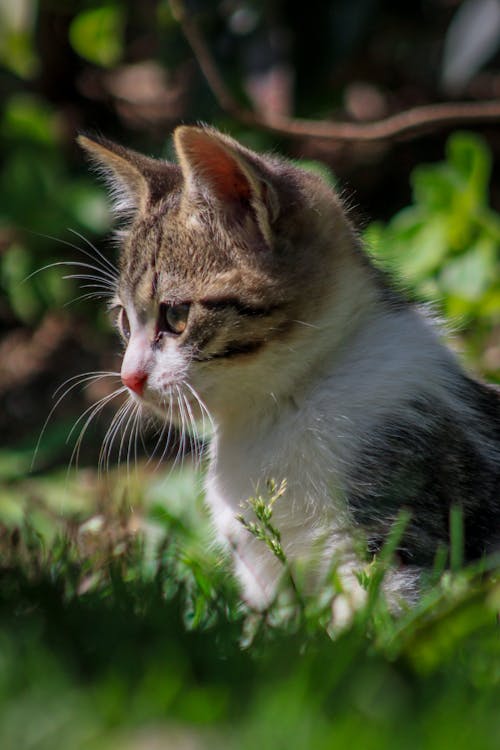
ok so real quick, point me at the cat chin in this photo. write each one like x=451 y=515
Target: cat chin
x=166 y=410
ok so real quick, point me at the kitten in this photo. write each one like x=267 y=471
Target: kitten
x=244 y=291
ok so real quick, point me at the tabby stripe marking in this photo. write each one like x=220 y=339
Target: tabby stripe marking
x=241 y=308
x=234 y=350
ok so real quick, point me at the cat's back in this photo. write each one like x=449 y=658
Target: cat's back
x=400 y=426
x=437 y=448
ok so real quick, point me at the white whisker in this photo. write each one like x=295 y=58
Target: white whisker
x=101 y=273
x=85 y=376
x=130 y=418
x=104 y=266
x=133 y=437
x=181 y=450
x=82 y=379
x=188 y=422
x=169 y=424
x=94 y=410
x=97 y=282
x=90 y=295
x=195 y=441
x=161 y=432
x=109 y=438
x=203 y=407
x=103 y=400
x=303 y=323
x=106 y=261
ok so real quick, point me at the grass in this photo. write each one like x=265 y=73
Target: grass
x=121 y=627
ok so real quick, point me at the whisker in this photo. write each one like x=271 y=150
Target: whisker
x=133 y=432
x=125 y=430
x=203 y=407
x=144 y=425
x=187 y=423
x=161 y=431
x=102 y=273
x=182 y=443
x=196 y=441
x=308 y=325
x=123 y=416
x=94 y=248
x=169 y=424
x=107 y=266
x=103 y=400
x=137 y=432
x=89 y=295
x=84 y=378
x=180 y=430
x=205 y=414
x=99 y=283
x=111 y=432
x=94 y=410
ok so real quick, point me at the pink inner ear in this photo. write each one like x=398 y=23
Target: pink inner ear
x=226 y=179
x=218 y=168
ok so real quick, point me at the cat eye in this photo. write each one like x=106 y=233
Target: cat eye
x=173 y=318
x=123 y=324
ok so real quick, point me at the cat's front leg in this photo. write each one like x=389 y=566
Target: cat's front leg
x=258 y=572
x=400 y=589
x=262 y=574
x=351 y=598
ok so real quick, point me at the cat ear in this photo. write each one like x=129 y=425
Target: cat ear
x=135 y=181
x=216 y=166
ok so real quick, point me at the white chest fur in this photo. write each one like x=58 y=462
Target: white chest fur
x=310 y=441
x=310 y=505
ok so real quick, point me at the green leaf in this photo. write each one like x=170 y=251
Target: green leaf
x=15 y=265
x=11 y=509
x=27 y=118
x=97 y=35
x=433 y=187
x=88 y=205
x=470 y=158
x=469 y=275
x=17 y=37
x=426 y=251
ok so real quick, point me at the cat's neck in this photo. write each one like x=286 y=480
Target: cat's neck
x=284 y=378
x=367 y=361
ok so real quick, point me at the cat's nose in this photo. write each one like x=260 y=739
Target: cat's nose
x=135 y=381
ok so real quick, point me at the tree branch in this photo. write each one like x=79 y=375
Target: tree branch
x=409 y=123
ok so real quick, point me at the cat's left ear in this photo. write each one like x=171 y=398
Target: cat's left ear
x=215 y=166
x=135 y=181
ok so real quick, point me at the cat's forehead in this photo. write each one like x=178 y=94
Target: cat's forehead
x=180 y=258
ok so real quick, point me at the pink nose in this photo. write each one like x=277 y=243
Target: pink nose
x=135 y=381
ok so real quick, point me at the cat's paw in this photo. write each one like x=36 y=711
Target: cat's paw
x=346 y=604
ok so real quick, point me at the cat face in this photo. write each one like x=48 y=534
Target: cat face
x=223 y=272
x=195 y=335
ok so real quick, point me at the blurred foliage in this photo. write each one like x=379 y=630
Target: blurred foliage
x=40 y=197
x=57 y=56
x=97 y=34
x=17 y=31
x=444 y=248
x=120 y=628
x=447 y=243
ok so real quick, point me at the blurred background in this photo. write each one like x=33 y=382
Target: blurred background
x=120 y=625
x=428 y=205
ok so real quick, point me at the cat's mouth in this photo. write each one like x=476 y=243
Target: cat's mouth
x=176 y=404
